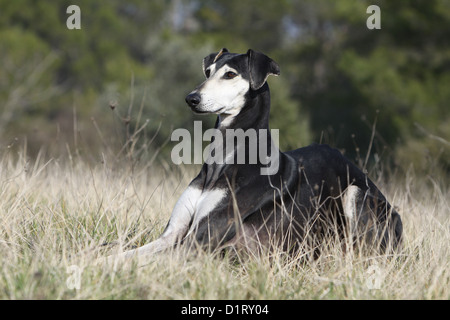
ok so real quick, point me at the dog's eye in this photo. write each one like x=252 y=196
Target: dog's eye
x=207 y=73
x=230 y=75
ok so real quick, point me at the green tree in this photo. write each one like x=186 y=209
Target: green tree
x=347 y=75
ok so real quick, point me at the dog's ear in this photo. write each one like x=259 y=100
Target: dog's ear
x=212 y=58
x=260 y=67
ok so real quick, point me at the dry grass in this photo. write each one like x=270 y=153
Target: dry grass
x=58 y=214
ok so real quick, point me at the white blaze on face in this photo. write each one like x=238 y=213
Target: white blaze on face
x=221 y=95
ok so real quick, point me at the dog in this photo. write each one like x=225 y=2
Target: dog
x=314 y=193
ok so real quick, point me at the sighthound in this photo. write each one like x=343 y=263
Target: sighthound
x=314 y=193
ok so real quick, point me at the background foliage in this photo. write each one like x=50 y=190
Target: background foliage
x=129 y=68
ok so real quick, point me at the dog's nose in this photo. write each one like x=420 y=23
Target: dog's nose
x=193 y=99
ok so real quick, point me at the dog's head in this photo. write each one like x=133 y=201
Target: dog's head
x=229 y=78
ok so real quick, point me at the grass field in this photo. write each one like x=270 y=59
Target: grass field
x=55 y=216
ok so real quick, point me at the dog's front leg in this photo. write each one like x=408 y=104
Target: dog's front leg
x=176 y=229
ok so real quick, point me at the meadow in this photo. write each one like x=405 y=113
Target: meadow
x=59 y=215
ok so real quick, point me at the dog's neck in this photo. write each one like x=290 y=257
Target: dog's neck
x=253 y=115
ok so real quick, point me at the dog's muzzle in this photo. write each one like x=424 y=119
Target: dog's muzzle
x=193 y=99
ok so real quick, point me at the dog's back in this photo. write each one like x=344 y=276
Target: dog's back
x=345 y=197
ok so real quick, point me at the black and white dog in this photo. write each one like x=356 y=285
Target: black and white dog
x=314 y=192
